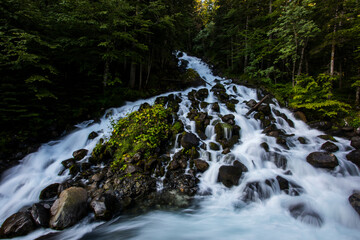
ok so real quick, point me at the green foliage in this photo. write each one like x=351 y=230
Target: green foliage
x=141 y=131
x=311 y=94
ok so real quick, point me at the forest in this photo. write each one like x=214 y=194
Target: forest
x=62 y=61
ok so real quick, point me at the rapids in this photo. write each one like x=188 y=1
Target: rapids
x=322 y=209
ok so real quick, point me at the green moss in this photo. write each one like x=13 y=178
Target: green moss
x=230 y=106
x=143 y=131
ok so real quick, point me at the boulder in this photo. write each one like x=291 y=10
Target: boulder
x=323 y=125
x=354 y=200
x=189 y=140
x=201 y=165
x=69 y=208
x=302 y=140
x=80 y=154
x=355 y=142
x=322 y=160
x=214 y=146
x=40 y=215
x=265 y=146
x=289 y=187
x=229 y=118
x=202 y=94
x=50 y=191
x=105 y=206
x=215 y=107
x=251 y=103
x=18 y=224
x=92 y=135
x=329 y=147
x=230 y=175
x=354 y=157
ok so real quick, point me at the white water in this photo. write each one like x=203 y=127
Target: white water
x=221 y=214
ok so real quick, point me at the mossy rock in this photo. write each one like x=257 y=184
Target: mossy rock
x=220 y=129
x=328 y=138
x=215 y=107
x=214 y=146
x=230 y=106
x=204 y=105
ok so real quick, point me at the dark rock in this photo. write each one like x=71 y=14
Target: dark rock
x=201 y=165
x=240 y=165
x=229 y=118
x=229 y=175
x=265 y=146
x=182 y=183
x=354 y=200
x=189 y=140
x=251 y=103
x=69 y=208
x=322 y=160
x=230 y=106
x=226 y=151
x=265 y=109
x=305 y=214
x=302 y=140
x=354 y=157
x=40 y=215
x=80 y=154
x=50 y=191
x=256 y=190
x=215 y=107
x=355 y=142
x=203 y=105
x=68 y=163
x=279 y=160
x=161 y=100
x=214 y=146
x=105 y=206
x=282 y=141
x=92 y=135
x=202 y=94
x=329 y=147
x=300 y=116
x=289 y=187
x=18 y=224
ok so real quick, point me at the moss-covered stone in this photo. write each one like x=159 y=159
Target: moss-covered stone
x=214 y=146
x=230 y=106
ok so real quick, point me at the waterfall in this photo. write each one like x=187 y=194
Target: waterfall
x=314 y=207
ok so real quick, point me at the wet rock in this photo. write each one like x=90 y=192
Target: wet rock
x=329 y=147
x=305 y=214
x=105 y=206
x=214 y=146
x=229 y=118
x=92 y=135
x=279 y=160
x=240 y=165
x=230 y=106
x=143 y=106
x=265 y=109
x=230 y=175
x=265 y=146
x=355 y=142
x=204 y=105
x=69 y=208
x=226 y=151
x=202 y=94
x=68 y=163
x=201 y=165
x=50 y=191
x=282 y=142
x=182 y=183
x=354 y=200
x=300 y=116
x=220 y=92
x=256 y=190
x=40 y=215
x=288 y=187
x=79 y=154
x=354 y=157
x=251 y=103
x=215 y=107
x=302 y=140
x=18 y=224
x=189 y=140
x=322 y=160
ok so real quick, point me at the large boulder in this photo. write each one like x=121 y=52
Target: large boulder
x=354 y=200
x=354 y=157
x=230 y=175
x=18 y=224
x=50 y=191
x=80 y=154
x=69 y=208
x=305 y=214
x=189 y=140
x=322 y=160
x=40 y=214
x=201 y=165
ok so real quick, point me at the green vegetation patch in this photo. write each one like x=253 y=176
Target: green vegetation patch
x=141 y=131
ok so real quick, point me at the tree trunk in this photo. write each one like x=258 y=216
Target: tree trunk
x=333 y=42
x=246 y=43
x=132 y=75
x=301 y=61
x=106 y=73
x=140 y=76
x=357 y=95
x=293 y=73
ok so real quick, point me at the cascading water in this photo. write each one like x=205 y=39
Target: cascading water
x=315 y=206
